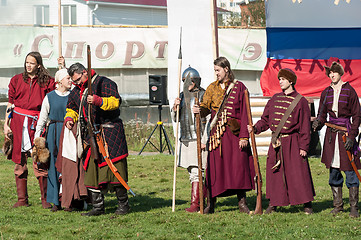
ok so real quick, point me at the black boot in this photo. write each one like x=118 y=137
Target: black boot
x=337 y=200
x=242 y=204
x=307 y=208
x=97 y=199
x=353 y=198
x=123 y=203
x=211 y=203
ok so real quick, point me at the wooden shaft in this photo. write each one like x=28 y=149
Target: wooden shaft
x=177 y=123
x=258 y=179
x=199 y=154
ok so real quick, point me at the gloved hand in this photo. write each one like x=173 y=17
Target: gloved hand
x=316 y=125
x=349 y=144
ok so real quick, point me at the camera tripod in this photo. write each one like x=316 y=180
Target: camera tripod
x=161 y=133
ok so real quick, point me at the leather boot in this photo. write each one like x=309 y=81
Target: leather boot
x=270 y=209
x=97 y=199
x=353 y=198
x=194 y=198
x=242 y=204
x=337 y=200
x=307 y=208
x=211 y=203
x=123 y=203
x=43 y=183
x=22 y=191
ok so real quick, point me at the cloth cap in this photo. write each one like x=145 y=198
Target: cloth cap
x=333 y=64
x=59 y=75
x=288 y=74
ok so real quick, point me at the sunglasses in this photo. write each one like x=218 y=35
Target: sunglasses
x=77 y=80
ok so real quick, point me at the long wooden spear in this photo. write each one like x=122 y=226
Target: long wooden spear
x=59 y=32
x=258 y=177
x=177 y=121
x=199 y=154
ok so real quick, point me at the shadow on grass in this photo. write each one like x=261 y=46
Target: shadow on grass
x=143 y=203
x=232 y=203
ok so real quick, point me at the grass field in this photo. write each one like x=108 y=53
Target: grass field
x=151 y=217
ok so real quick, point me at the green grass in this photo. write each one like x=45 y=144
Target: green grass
x=151 y=217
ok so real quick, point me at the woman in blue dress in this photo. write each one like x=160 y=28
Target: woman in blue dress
x=52 y=112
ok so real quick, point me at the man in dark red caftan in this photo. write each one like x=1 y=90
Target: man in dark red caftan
x=290 y=182
x=26 y=93
x=230 y=168
x=340 y=103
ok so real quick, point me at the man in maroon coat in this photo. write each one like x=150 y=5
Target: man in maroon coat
x=26 y=93
x=230 y=168
x=340 y=102
x=288 y=176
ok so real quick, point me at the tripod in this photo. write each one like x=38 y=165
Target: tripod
x=161 y=130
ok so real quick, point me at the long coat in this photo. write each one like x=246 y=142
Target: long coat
x=229 y=168
x=291 y=183
x=348 y=107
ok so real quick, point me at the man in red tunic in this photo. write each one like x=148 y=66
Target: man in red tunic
x=26 y=93
x=340 y=102
x=288 y=176
x=230 y=168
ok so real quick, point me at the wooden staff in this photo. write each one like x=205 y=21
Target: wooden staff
x=199 y=153
x=177 y=121
x=258 y=177
x=59 y=32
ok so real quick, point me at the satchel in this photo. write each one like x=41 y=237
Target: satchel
x=234 y=126
x=276 y=142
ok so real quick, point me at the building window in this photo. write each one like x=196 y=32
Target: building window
x=3 y=2
x=69 y=14
x=41 y=14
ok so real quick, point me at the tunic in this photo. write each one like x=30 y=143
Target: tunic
x=229 y=168
x=291 y=183
x=29 y=96
x=55 y=111
x=348 y=107
x=97 y=170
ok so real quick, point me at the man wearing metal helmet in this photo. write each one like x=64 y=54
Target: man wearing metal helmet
x=340 y=102
x=188 y=147
x=288 y=175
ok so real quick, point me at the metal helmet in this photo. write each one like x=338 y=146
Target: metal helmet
x=193 y=75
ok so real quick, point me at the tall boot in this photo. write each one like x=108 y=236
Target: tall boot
x=337 y=200
x=242 y=204
x=194 y=198
x=123 y=203
x=43 y=183
x=211 y=203
x=22 y=191
x=353 y=198
x=97 y=199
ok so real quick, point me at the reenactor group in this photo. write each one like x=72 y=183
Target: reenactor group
x=71 y=127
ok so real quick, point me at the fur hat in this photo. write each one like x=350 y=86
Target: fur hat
x=288 y=74
x=40 y=153
x=8 y=144
x=334 y=66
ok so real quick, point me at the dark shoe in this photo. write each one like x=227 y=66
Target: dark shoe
x=194 y=198
x=242 y=204
x=270 y=209
x=43 y=183
x=337 y=200
x=307 y=208
x=22 y=191
x=69 y=209
x=97 y=199
x=55 y=208
x=123 y=202
x=211 y=203
x=353 y=198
